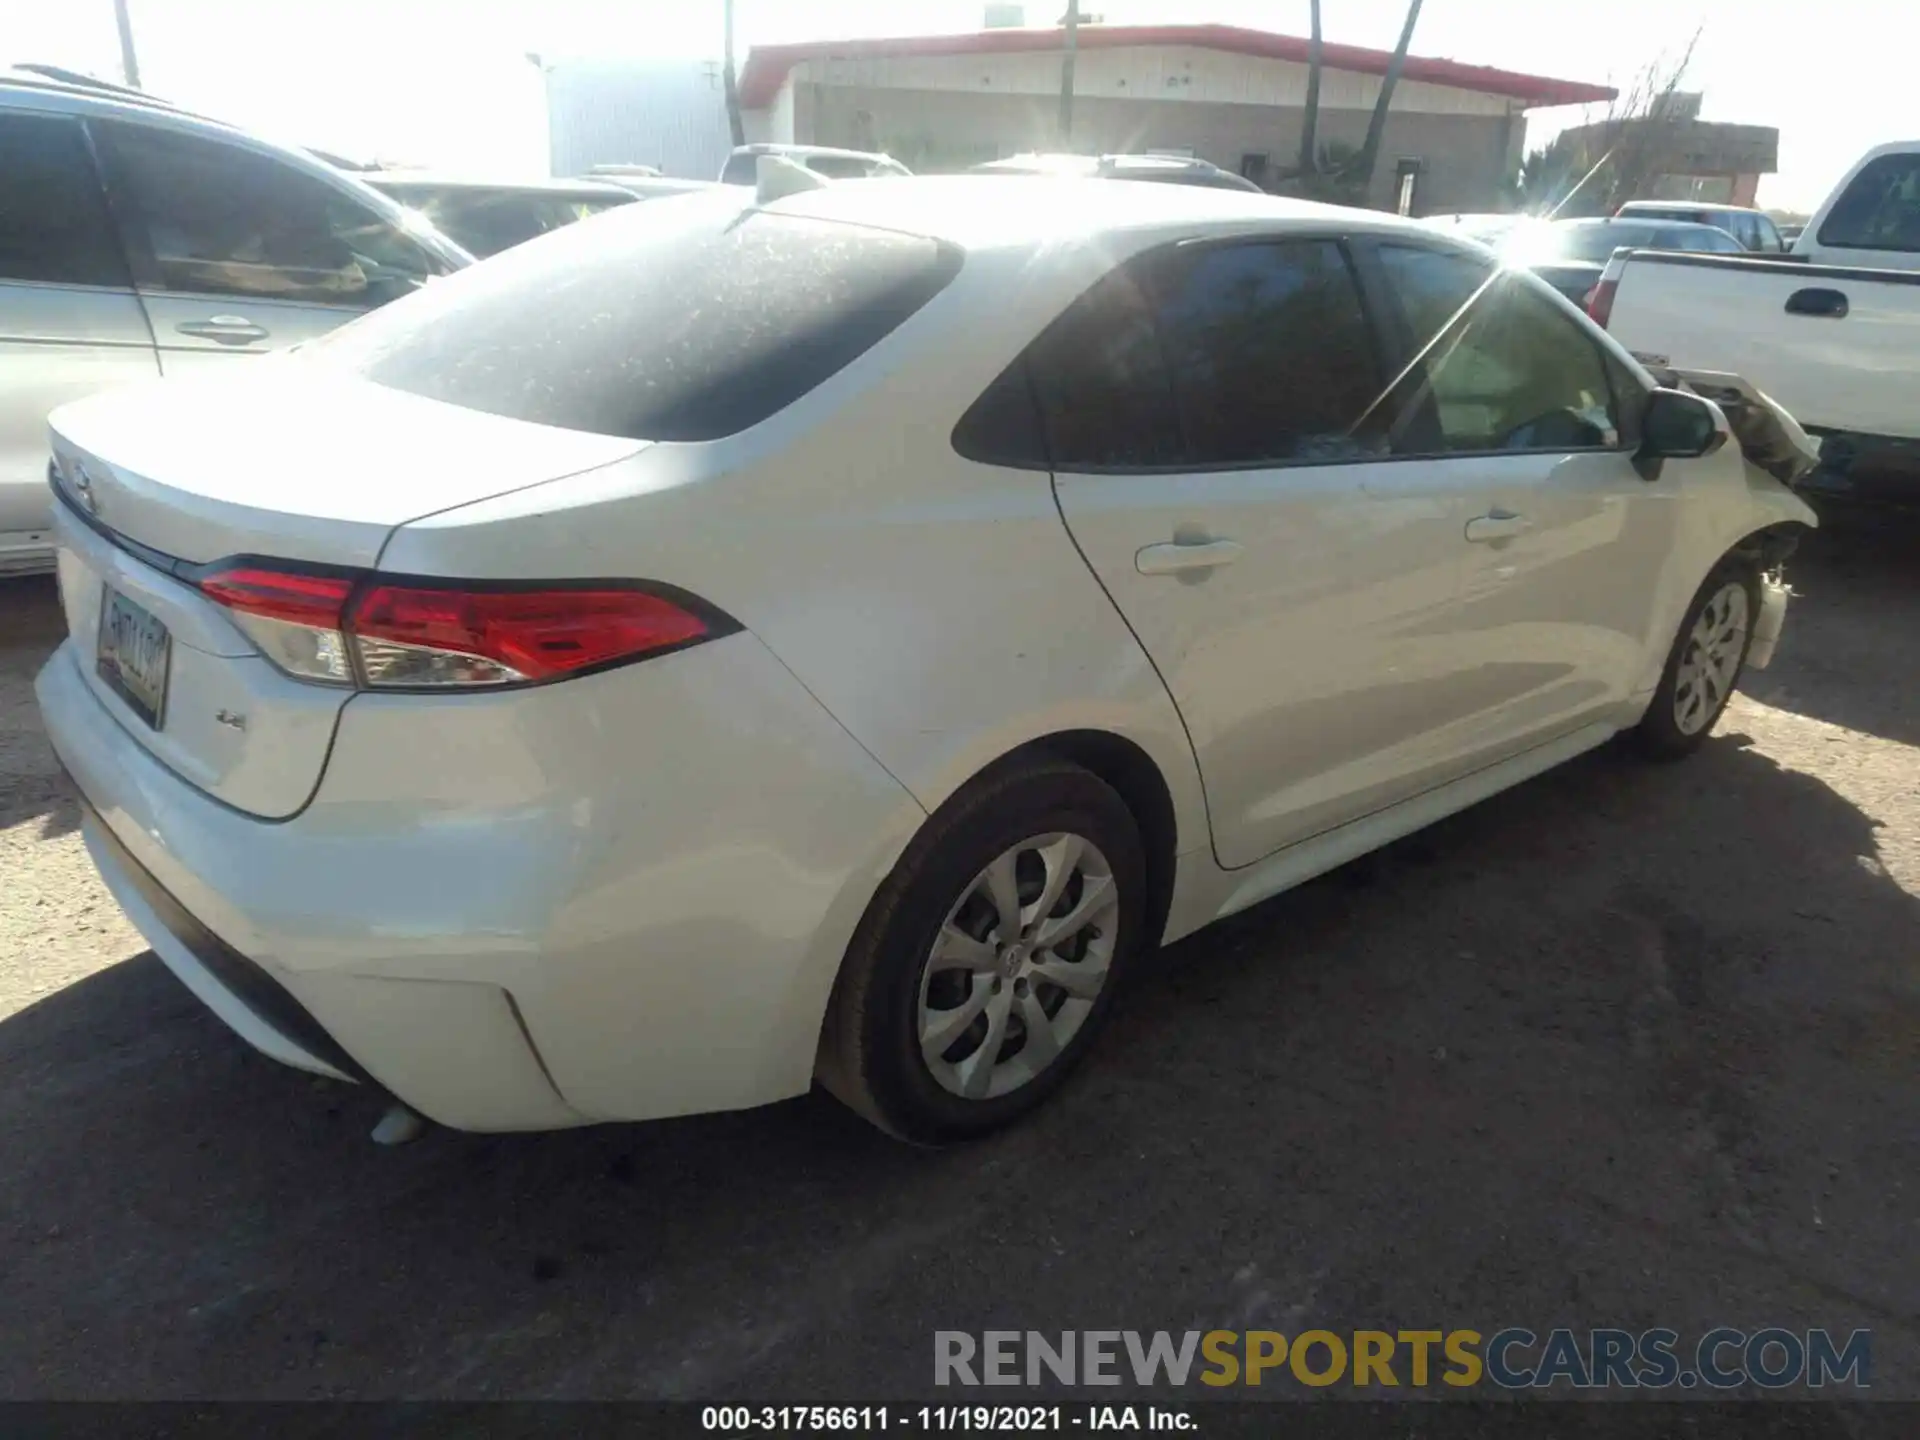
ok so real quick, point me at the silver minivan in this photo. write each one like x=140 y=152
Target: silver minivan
x=137 y=240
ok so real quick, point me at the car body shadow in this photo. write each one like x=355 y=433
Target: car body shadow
x=31 y=783
x=1583 y=1051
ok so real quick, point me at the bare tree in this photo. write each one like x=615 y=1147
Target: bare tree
x=730 y=82
x=1310 y=123
x=1360 y=174
x=1595 y=168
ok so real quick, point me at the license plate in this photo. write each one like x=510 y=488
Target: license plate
x=135 y=654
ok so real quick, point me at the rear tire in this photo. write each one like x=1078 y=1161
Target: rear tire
x=988 y=961
x=1704 y=665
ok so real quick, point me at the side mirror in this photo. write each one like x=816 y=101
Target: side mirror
x=1678 y=426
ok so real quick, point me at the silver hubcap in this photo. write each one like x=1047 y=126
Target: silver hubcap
x=1711 y=662
x=1018 y=964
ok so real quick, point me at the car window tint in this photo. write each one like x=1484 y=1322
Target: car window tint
x=741 y=169
x=689 y=321
x=1003 y=426
x=1507 y=369
x=219 y=219
x=1106 y=399
x=1272 y=356
x=1767 y=235
x=53 y=219
x=1880 y=209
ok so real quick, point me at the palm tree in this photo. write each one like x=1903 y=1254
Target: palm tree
x=1361 y=175
x=729 y=83
x=1309 y=127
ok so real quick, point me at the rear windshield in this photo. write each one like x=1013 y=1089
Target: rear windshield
x=1595 y=244
x=1881 y=209
x=686 y=319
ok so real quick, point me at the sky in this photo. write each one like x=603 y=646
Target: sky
x=448 y=82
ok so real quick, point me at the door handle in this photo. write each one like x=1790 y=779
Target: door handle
x=1822 y=304
x=1177 y=558
x=227 y=329
x=1495 y=526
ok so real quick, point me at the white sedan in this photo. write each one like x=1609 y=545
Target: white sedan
x=742 y=640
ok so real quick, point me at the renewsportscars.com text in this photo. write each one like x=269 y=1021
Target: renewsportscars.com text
x=1513 y=1358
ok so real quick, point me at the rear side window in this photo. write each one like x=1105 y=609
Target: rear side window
x=53 y=219
x=1272 y=357
x=1880 y=209
x=1100 y=375
x=684 y=322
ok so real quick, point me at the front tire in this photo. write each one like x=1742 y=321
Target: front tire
x=987 y=962
x=1704 y=665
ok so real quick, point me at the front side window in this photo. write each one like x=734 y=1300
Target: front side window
x=1505 y=369
x=1272 y=357
x=1769 y=236
x=54 y=226
x=218 y=219
x=1880 y=209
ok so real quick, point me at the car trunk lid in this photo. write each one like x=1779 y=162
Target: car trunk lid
x=301 y=466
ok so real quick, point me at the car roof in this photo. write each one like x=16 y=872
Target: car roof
x=426 y=180
x=768 y=147
x=1643 y=222
x=986 y=211
x=62 y=91
x=1703 y=206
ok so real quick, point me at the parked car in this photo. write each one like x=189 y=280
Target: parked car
x=645 y=182
x=1570 y=254
x=485 y=217
x=1837 y=344
x=139 y=240
x=837 y=634
x=1165 y=169
x=743 y=165
x=1488 y=229
x=1754 y=229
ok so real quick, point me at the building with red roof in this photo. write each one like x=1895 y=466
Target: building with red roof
x=1225 y=94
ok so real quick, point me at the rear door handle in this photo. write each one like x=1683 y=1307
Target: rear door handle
x=1177 y=558
x=1495 y=526
x=227 y=329
x=1822 y=304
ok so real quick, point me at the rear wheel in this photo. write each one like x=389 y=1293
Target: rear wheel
x=1704 y=665
x=987 y=963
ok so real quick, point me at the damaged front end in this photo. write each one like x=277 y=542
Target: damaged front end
x=1772 y=441
x=1769 y=437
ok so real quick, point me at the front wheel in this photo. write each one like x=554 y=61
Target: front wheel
x=1705 y=664
x=988 y=960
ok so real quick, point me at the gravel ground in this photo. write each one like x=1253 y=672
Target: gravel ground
x=1630 y=1045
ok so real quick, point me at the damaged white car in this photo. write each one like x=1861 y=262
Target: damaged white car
x=761 y=637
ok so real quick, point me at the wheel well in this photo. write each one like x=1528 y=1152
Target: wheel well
x=1138 y=781
x=1769 y=548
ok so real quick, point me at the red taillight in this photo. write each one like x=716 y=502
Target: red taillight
x=280 y=594
x=1599 y=302
x=366 y=630
x=490 y=637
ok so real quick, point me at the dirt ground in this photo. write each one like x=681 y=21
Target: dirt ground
x=1630 y=1046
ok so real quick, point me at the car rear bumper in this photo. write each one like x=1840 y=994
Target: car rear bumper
x=495 y=913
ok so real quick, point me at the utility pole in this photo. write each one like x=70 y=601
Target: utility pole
x=1066 y=74
x=129 y=65
x=1310 y=124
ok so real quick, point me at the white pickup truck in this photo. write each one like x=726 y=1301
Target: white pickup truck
x=1831 y=332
